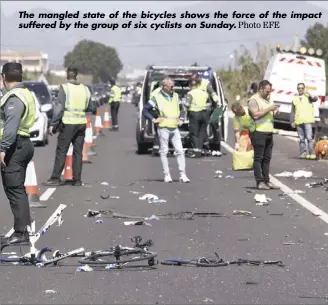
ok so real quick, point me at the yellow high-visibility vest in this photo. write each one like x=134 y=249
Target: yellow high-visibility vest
x=264 y=124
x=199 y=100
x=76 y=104
x=116 y=94
x=169 y=110
x=28 y=119
x=304 y=110
x=244 y=122
x=203 y=86
x=155 y=92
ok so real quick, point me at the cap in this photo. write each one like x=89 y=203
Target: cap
x=12 y=67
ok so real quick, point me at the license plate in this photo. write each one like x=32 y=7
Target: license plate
x=285 y=108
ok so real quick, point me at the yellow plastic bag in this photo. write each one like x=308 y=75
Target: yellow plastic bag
x=242 y=160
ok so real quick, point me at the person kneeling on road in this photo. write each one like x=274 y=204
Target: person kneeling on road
x=262 y=111
x=17 y=116
x=302 y=117
x=242 y=123
x=171 y=115
x=74 y=100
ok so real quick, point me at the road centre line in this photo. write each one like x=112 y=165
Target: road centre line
x=47 y=194
x=296 y=197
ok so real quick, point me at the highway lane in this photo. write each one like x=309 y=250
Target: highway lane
x=261 y=237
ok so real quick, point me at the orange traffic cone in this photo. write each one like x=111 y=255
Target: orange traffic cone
x=98 y=124
x=68 y=171
x=89 y=138
x=107 y=118
x=31 y=187
x=85 y=158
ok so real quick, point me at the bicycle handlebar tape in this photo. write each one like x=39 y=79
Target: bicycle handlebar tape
x=68 y=171
x=107 y=118
x=98 y=124
x=31 y=187
x=89 y=138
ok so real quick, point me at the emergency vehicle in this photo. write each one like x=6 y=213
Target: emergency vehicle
x=286 y=69
x=145 y=132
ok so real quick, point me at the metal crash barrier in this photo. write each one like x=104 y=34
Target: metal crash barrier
x=322 y=126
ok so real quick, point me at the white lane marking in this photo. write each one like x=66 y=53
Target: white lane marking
x=47 y=194
x=296 y=197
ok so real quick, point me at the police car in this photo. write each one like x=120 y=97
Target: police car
x=145 y=131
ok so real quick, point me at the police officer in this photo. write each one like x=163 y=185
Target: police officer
x=115 y=98
x=157 y=89
x=262 y=111
x=196 y=103
x=74 y=100
x=17 y=116
x=137 y=94
x=302 y=117
x=206 y=86
x=171 y=115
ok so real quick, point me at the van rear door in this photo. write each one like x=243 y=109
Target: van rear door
x=286 y=70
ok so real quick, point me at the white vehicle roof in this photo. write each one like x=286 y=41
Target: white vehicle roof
x=286 y=70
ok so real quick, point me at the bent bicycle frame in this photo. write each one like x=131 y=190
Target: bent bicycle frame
x=34 y=237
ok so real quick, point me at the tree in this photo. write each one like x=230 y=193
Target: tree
x=94 y=58
x=247 y=69
x=316 y=37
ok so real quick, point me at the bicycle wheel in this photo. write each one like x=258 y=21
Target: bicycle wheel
x=195 y=262
x=92 y=259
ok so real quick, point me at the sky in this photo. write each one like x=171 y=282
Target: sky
x=10 y=7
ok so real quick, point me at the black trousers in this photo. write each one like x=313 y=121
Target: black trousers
x=263 y=145
x=13 y=178
x=197 y=128
x=69 y=134
x=114 y=107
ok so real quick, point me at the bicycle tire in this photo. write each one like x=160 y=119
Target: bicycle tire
x=194 y=263
x=146 y=256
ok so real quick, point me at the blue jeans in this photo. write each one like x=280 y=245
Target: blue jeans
x=166 y=136
x=305 y=133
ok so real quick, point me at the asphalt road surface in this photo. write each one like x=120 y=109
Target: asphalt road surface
x=260 y=236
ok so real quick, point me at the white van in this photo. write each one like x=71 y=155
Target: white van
x=285 y=70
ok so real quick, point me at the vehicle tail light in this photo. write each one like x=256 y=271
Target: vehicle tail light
x=322 y=99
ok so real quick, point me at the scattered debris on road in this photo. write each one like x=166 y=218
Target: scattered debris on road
x=297 y=174
x=218 y=174
x=317 y=183
x=99 y=221
x=241 y=212
x=104 y=183
x=114 y=197
x=85 y=268
x=104 y=196
x=50 y=291
x=148 y=197
x=229 y=177
x=152 y=217
x=136 y=223
x=261 y=199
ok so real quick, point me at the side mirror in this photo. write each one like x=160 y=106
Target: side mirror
x=46 y=107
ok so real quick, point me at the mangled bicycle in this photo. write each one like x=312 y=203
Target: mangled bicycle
x=118 y=255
